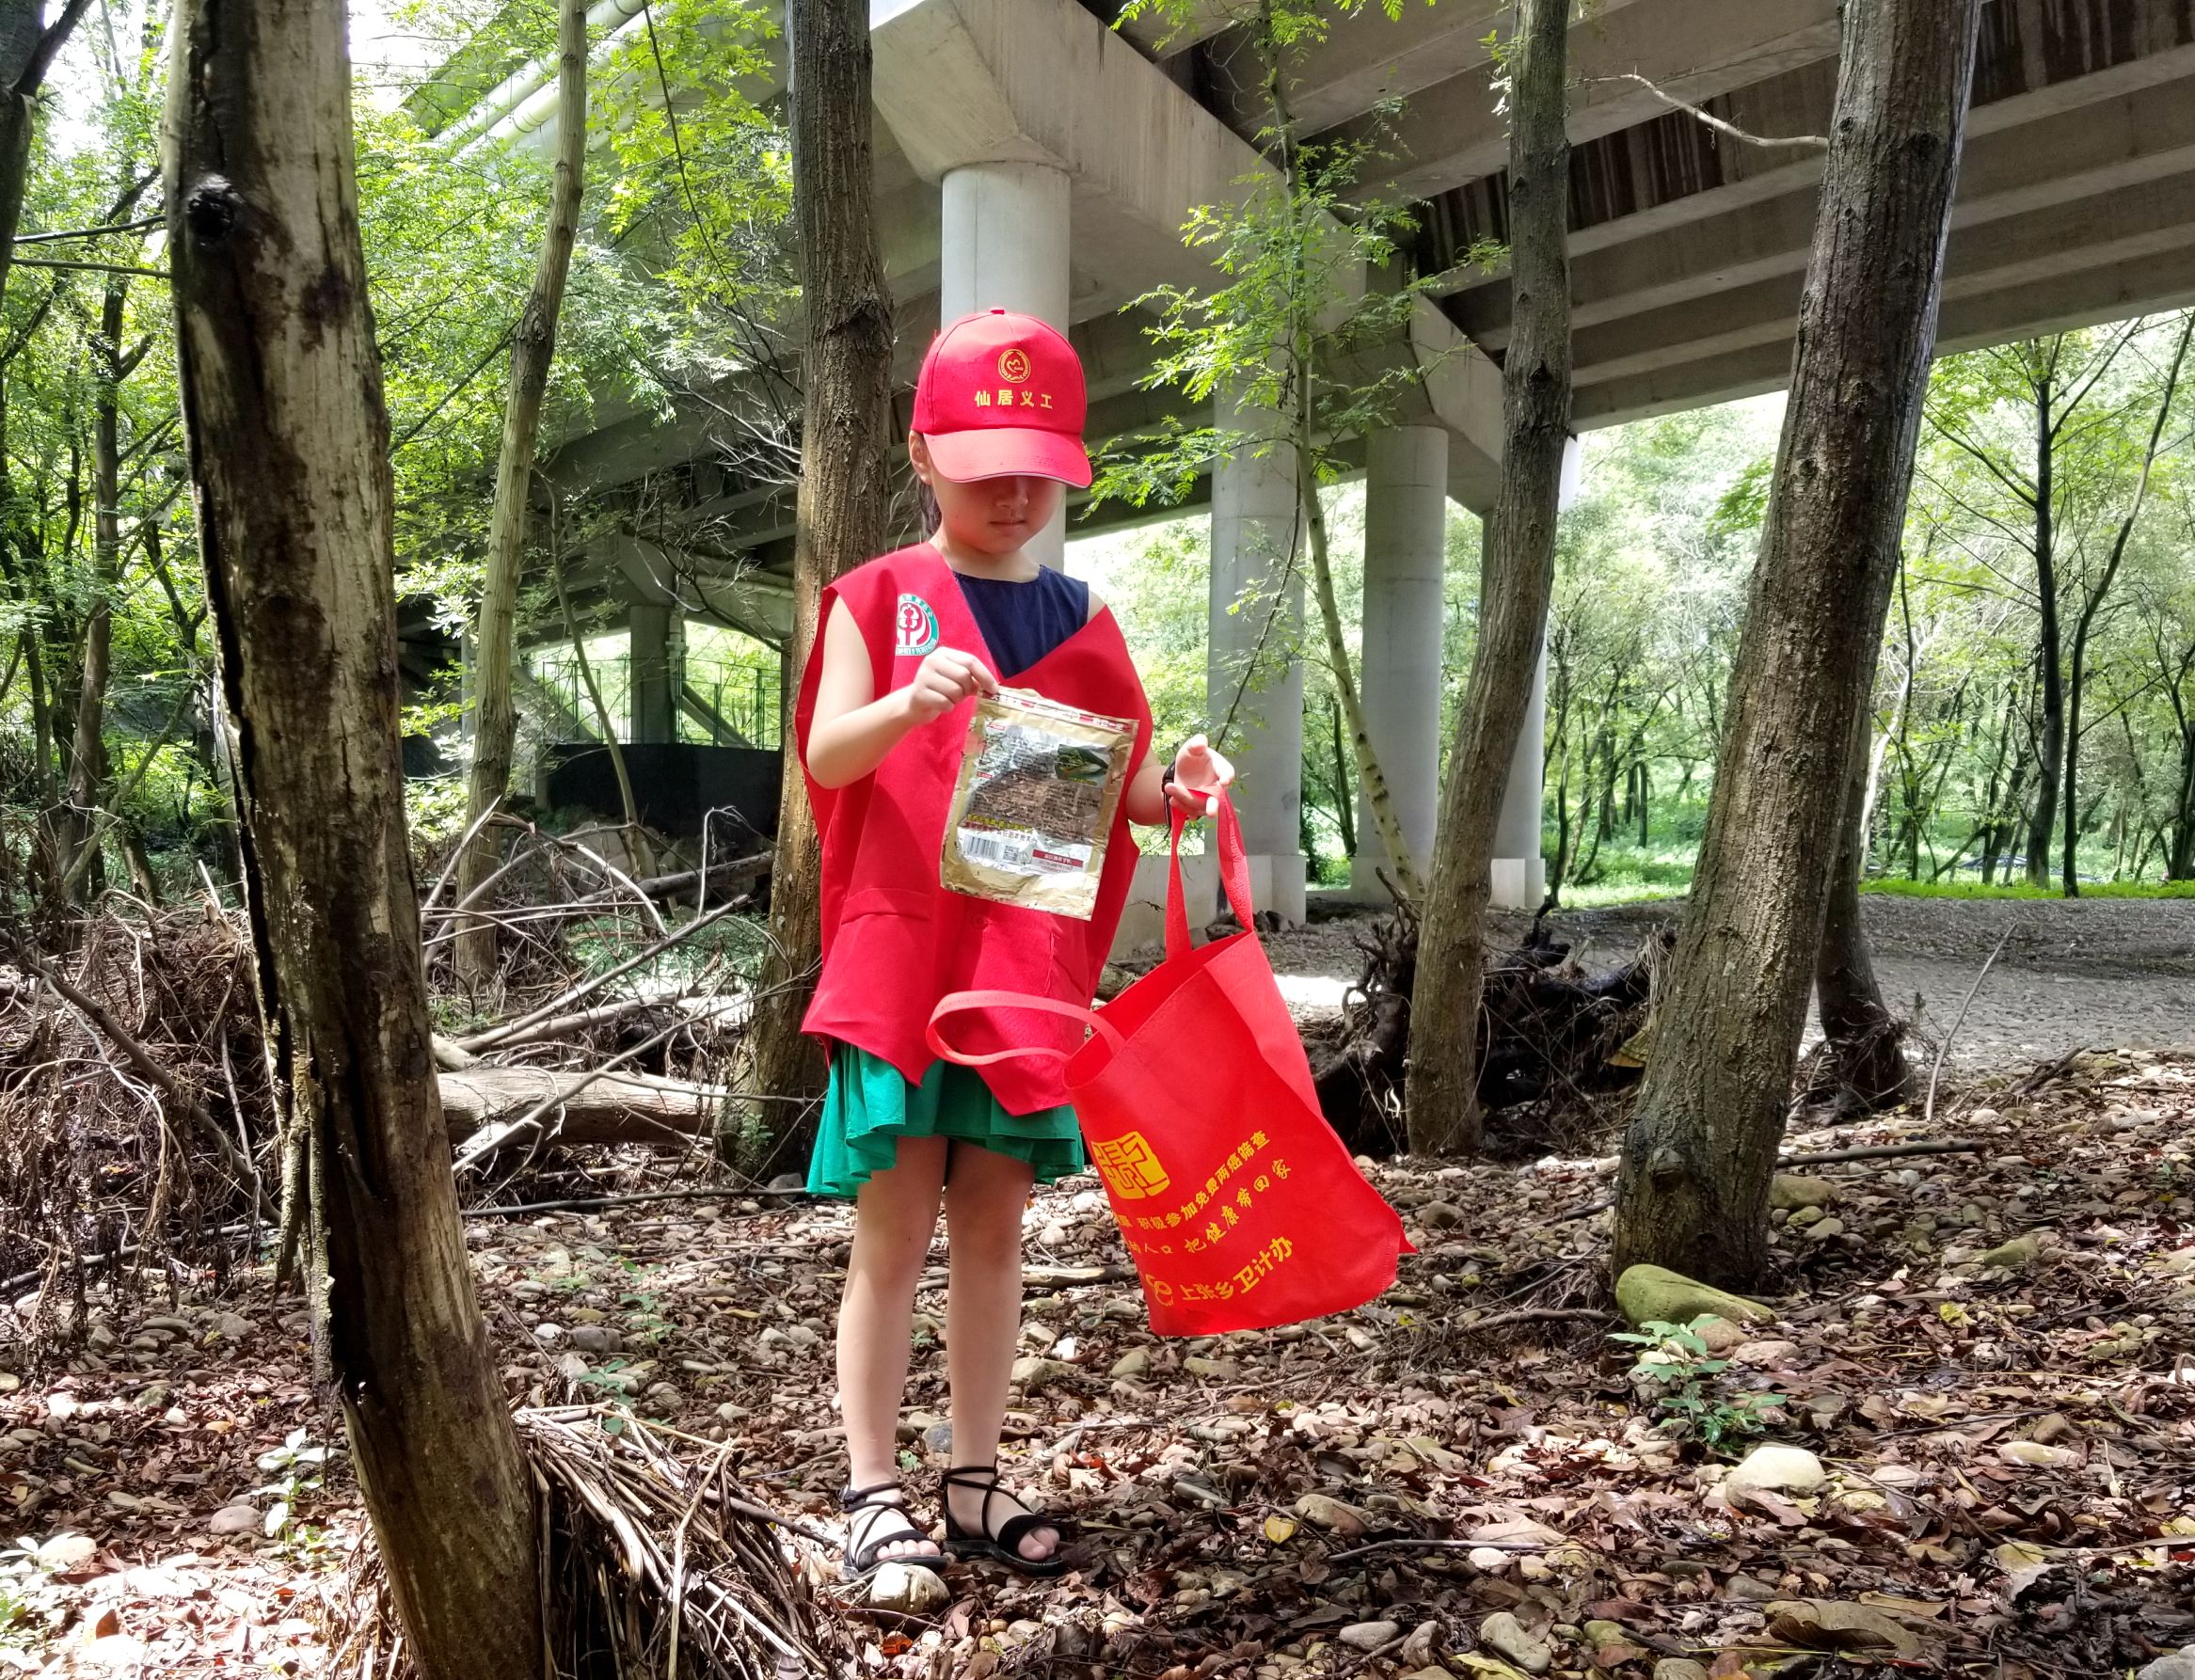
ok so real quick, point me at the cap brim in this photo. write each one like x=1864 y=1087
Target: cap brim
x=1006 y=451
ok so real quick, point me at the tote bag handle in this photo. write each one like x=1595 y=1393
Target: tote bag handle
x=956 y=1003
x=1234 y=876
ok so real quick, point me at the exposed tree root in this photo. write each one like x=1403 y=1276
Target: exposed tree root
x=1550 y=1034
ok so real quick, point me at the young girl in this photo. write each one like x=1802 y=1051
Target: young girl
x=908 y=641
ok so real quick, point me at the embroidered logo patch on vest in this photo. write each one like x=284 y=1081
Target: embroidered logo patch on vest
x=914 y=626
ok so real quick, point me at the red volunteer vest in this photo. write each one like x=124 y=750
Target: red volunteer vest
x=895 y=938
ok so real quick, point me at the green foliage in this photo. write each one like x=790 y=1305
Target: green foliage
x=1674 y=1365
x=680 y=279
x=704 y=184
x=296 y=1466
x=1290 y=316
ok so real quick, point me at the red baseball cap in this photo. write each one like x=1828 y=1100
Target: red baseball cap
x=1002 y=394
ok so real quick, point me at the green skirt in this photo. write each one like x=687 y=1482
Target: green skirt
x=869 y=1106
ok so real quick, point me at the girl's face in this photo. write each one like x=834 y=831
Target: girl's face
x=993 y=516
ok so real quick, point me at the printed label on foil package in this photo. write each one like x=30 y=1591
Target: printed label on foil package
x=1038 y=786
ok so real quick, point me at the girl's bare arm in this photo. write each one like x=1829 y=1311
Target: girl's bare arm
x=852 y=729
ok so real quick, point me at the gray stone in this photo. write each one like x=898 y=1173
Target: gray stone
x=1034 y=1373
x=907 y=1589
x=1789 y=1190
x=1678 y=1667
x=1422 y=1648
x=1764 y=1353
x=1133 y=1364
x=597 y=1339
x=2176 y=1665
x=1440 y=1216
x=1211 y=1370
x=2016 y=1255
x=546 y=1334
x=231 y=1326
x=1777 y=1469
x=236 y=1519
x=1504 y=1636
x=1721 y=1336
x=938 y=1437
x=1656 y=1295
x=1370 y=1636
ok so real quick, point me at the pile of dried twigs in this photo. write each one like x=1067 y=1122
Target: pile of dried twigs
x=137 y=1124
x=656 y=1564
x=135 y=1108
x=548 y=883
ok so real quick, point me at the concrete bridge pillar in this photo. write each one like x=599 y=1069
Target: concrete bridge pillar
x=1405 y=553
x=1256 y=616
x=656 y=669
x=1520 y=872
x=1002 y=245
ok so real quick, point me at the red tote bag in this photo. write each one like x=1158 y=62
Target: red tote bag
x=1237 y=1201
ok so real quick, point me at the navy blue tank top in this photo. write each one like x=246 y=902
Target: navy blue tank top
x=1022 y=621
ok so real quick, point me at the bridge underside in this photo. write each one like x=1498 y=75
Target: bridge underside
x=1029 y=156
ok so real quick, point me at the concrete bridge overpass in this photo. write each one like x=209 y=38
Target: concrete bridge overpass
x=1029 y=156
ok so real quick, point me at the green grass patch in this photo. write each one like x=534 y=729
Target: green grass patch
x=1899 y=887
x=1628 y=889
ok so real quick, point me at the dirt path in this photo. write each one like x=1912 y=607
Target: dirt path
x=2089 y=973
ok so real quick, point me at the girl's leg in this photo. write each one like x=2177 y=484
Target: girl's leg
x=894 y=1220
x=983 y=1201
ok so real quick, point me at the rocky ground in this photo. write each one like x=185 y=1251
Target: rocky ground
x=1977 y=1393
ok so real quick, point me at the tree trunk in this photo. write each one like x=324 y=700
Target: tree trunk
x=533 y=351
x=2094 y=604
x=2050 y=744
x=1345 y=813
x=27 y=52
x=1692 y=1190
x=1862 y=1034
x=2179 y=866
x=289 y=445
x=1517 y=577
x=74 y=821
x=844 y=514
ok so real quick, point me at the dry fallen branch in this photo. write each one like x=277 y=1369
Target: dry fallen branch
x=593 y=1107
x=496 y=1035
x=659 y=1561
x=1785 y=142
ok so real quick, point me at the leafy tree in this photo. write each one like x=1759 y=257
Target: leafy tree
x=1288 y=335
x=1698 y=1157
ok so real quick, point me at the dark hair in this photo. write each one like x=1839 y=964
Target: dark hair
x=926 y=503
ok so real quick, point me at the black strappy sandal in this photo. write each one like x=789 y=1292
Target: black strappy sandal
x=1001 y=1546
x=865 y=1560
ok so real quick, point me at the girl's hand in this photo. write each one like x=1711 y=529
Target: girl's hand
x=1199 y=773
x=946 y=678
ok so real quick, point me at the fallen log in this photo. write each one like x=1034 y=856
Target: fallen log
x=584 y=1107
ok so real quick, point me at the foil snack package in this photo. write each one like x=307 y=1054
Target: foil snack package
x=1038 y=785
